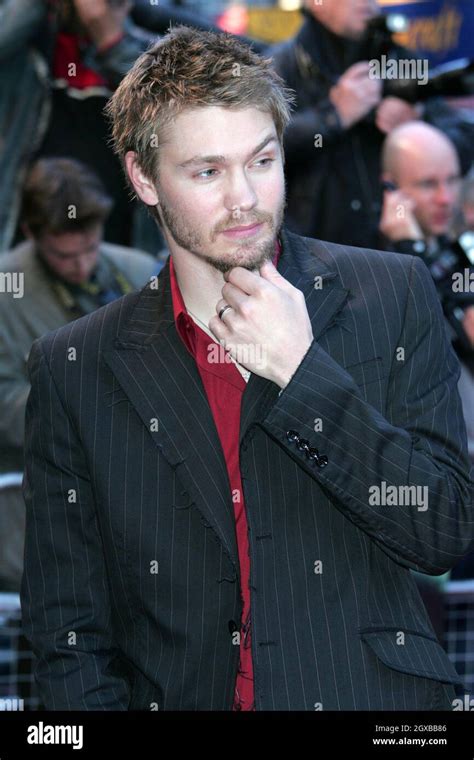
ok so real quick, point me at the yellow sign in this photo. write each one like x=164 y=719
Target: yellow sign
x=273 y=24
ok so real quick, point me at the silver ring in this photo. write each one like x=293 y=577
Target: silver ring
x=224 y=309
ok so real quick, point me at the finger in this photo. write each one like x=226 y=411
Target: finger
x=382 y=126
x=359 y=69
x=390 y=196
x=391 y=110
x=218 y=329
x=234 y=295
x=384 y=107
x=228 y=313
x=374 y=92
x=249 y=282
x=270 y=273
x=406 y=200
x=397 y=196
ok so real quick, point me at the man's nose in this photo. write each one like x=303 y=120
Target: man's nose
x=444 y=194
x=240 y=193
x=83 y=268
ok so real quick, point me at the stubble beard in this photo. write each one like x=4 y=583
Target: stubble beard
x=247 y=254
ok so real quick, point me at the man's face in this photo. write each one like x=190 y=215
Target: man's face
x=346 y=18
x=432 y=180
x=71 y=255
x=219 y=170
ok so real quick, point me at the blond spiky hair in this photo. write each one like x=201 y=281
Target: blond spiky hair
x=189 y=68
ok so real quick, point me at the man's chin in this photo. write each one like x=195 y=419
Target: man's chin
x=250 y=258
x=439 y=230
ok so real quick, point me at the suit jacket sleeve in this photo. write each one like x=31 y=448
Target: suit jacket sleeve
x=421 y=440
x=65 y=602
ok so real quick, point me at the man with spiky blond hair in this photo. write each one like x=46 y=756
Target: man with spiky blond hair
x=200 y=528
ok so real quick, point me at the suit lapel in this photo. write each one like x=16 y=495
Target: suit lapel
x=163 y=384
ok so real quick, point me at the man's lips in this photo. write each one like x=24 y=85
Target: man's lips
x=242 y=231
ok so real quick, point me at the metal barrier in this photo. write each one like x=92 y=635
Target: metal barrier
x=459 y=629
x=18 y=689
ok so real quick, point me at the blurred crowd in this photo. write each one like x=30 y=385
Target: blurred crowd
x=365 y=166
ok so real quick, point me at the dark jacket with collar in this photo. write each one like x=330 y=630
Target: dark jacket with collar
x=333 y=189
x=131 y=585
x=27 y=36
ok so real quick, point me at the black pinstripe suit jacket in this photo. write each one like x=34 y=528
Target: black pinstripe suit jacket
x=131 y=584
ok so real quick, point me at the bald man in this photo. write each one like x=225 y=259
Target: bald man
x=422 y=177
x=422 y=163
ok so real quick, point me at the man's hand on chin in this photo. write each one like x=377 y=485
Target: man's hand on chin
x=267 y=330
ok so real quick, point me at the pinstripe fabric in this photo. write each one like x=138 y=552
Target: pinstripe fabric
x=131 y=566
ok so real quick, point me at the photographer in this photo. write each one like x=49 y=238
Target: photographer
x=334 y=141
x=422 y=180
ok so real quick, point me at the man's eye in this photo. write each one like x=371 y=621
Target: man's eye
x=270 y=160
x=205 y=173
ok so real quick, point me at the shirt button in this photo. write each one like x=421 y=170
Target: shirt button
x=356 y=205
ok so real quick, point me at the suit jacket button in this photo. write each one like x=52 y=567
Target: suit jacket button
x=303 y=445
x=292 y=436
x=322 y=461
x=313 y=455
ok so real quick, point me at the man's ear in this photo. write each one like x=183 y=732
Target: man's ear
x=144 y=187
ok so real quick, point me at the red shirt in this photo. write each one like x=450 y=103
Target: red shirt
x=224 y=386
x=67 y=52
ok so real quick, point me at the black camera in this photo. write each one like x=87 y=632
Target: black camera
x=448 y=267
x=455 y=79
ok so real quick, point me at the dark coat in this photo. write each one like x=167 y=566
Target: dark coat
x=131 y=587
